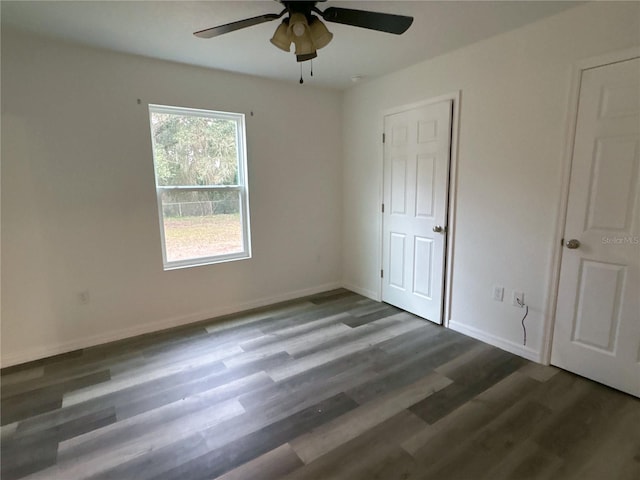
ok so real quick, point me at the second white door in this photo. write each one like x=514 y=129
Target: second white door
x=416 y=177
x=597 y=331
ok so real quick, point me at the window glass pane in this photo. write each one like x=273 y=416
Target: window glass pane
x=205 y=149
x=201 y=224
x=194 y=150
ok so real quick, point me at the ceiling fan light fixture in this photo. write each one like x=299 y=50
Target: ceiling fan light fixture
x=298 y=24
x=282 y=38
x=320 y=35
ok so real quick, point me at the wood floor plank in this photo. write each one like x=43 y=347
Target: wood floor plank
x=402 y=323
x=67 y=430
x=582 y=422
x=48 y=362
x=416 y=341
x=126 y=346
x=469 y=382
x=59 y=377
x=225 y=432
x=331 y=386
x=611 y=451
x=26 y=404
x=354 y=458
x=284 y=398
x=18 y=461
x=325 y=380
x=207 y=376
x=358 y=321
x=262 y=318
x=272 y=465
x=22 y=376
x=292 y=331
x=281 y=322
x=333 y=434
x=371 y=306
x=28 y=452
x=229 y=452
x=75 y=462
x=333 y=297
x=466 y=420
x=402 y=370
x=526 y=461
x=188 y=410
x=460 y=360
x=490 y=444
x=244 y=449
x=7 y=431
x=288 y=345
x=356 y=334
x=225 y=384
x=542 y=373
x=146 y=375
x=146 y=467
x=494 y=430
x=396 y=464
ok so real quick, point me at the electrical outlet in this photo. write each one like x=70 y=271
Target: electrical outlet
x=84 y=297
x=498 y=293
x=518 y=299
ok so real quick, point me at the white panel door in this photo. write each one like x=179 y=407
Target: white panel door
x=416 y=178
x=597 y=332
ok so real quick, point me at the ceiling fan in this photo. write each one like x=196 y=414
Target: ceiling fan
x=307 y=32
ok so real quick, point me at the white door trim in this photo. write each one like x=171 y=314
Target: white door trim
x=570 y=132
x=451 y=202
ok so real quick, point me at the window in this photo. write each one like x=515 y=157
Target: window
x=200 y=167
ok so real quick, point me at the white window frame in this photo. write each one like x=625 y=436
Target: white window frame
x=241 y=187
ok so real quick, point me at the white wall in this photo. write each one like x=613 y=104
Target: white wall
x=515 y=95
x=78 y=198
x=78 y=202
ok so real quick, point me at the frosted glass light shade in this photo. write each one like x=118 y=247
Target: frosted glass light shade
x=304 y=44
x=282 y=38
x=298 y=25
x=320 y=35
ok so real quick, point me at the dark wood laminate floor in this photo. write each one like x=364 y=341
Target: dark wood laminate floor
x=333 y=386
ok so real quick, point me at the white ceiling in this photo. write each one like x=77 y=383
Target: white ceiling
x=163 y=29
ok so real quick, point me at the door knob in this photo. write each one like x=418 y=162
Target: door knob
x=573 y=244
x=438 y=229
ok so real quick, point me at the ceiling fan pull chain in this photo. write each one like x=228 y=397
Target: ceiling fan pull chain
x=312 y=67
x=301 y=80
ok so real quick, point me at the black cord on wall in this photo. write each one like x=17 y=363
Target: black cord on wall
x=524 y=328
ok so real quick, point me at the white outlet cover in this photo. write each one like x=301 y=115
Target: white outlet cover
x=84 y=297
x=498 y=293
x=518 y=296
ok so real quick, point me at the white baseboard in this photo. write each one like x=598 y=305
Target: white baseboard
x=37 y=353
x=362 y=291
x=508 y=345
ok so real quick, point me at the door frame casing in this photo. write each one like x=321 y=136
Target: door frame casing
x=451 y=193
x=567 y=160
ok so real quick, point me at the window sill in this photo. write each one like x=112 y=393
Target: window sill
x=204 y=262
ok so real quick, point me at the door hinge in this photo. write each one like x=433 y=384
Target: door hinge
x=383 y=208
x=381 y=273
x=384 y=138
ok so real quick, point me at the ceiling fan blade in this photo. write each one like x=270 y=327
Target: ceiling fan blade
x=233 y=26
x=383 y=22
